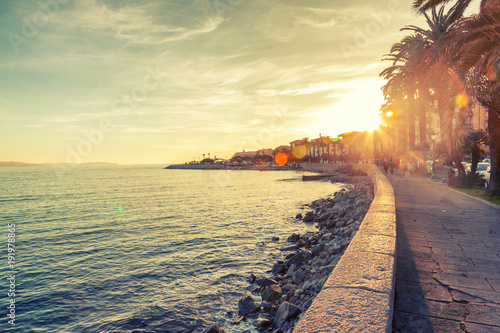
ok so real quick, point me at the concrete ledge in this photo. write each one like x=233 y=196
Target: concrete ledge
x=359 y=293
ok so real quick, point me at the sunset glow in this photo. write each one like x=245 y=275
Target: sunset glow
x=163 y=81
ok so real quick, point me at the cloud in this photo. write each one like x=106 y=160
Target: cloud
x=223 y=77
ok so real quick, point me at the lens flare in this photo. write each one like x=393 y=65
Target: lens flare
x=281 y=158
x=389 y=114
x=299 y=152
x=461 y=100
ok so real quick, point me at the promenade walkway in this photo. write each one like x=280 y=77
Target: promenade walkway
x=448 y=263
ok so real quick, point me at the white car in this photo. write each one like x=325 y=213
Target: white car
x=481 y=169
x=487 y=177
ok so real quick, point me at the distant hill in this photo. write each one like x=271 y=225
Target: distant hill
x=18 y=164
x=22 y=164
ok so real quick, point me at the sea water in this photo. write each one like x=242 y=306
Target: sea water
x=139 y=248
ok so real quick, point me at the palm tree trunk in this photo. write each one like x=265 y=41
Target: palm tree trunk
x=422 y=125
x=494 y=134
x=411 y=130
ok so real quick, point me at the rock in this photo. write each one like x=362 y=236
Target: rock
x=238 y=320
x=214 y=329
x=297 y=259
x=298 y=216
x=359 y=214
x=285 y=312
x=326 y=237
x=309 y=302
x=327 y=269
x=299 y=291
x=291 y=269
x=275 y=239
x=259 y=279
x=289 y=287
x=272 y=293
x=290 y=248
x=278 y=269
x=340 y=224
x=293 y=238
x=252 y=278
x=307 y=285
x=261 y=322
x=320 y=262
x=247 y=305
x=267 y=306
x=323 y=217
x=300 y=243
x=298 y=277
x=317 y=249
x=267 y=282
x=309 y=217
x=306 y=254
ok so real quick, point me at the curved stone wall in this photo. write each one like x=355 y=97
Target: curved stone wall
x=359 y=293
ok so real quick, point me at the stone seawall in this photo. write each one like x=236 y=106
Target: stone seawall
x=358 y=296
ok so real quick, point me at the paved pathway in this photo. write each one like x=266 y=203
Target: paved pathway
x=448 y=265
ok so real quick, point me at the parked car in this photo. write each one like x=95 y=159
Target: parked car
x=487 y=177
x=481 y=169
x=486 y=160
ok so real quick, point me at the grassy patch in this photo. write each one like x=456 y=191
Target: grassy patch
x=479 y=193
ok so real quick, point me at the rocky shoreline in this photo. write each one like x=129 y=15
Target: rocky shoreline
x=278 y=299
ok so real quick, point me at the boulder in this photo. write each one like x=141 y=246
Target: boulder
x=285 y=312
x=299 y=216
x=238 y=320
x=272 y=293
x=324 y=217
x=291 y=269
x=289 y=287
x=317 y=249
x=261 y=322
x=247 y=305
x=214 y=329
x=267 y=306
x=297 y=259
x=309 y=217
x=307 y=285
x=293 y=238
x=298 y=277
x=267 y=282
x=278 y=269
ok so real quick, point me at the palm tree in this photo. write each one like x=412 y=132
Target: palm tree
x=475 y=51
x=472 y=143
x=416 y=77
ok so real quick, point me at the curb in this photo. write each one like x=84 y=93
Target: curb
x=491 y=204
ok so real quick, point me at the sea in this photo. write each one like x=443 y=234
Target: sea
x=141 y=248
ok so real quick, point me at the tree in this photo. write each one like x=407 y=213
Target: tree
x=472 y=143
x=417 y=78
x=474 y=50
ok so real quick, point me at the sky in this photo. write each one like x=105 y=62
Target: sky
x=166 y=81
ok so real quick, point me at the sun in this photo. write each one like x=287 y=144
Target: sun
x=355 y=111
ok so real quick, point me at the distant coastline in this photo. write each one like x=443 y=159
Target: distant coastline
x=22 y=164
x=231 y=167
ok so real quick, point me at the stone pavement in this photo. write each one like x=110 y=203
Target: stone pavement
x=448 y=259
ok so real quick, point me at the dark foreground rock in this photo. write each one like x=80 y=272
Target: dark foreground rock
x=214 y=329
